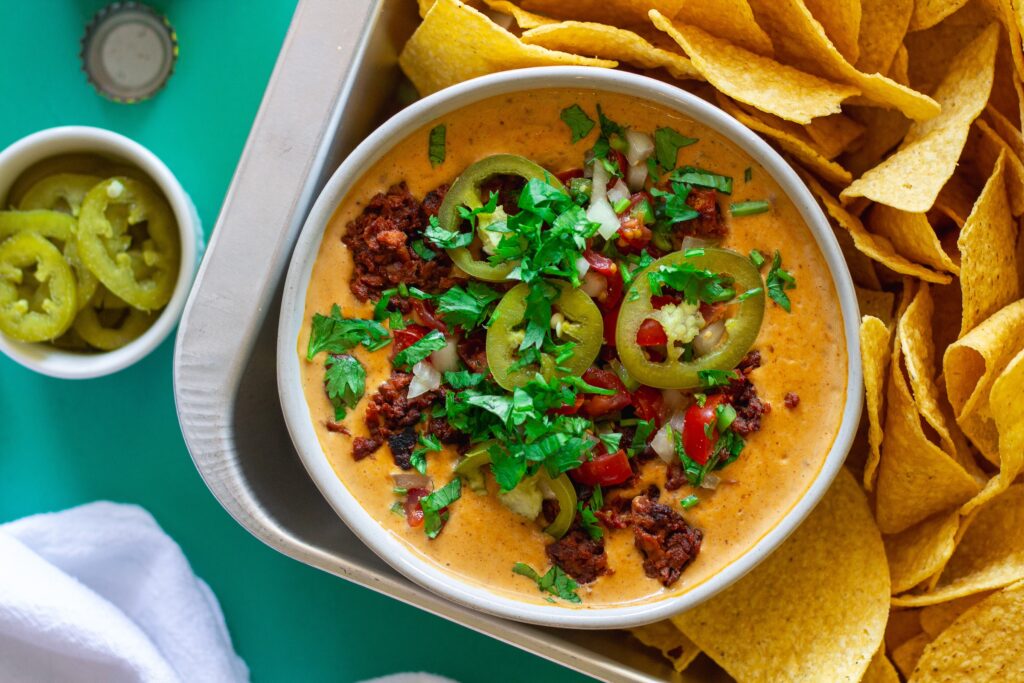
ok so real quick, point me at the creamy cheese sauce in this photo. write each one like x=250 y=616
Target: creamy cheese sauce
x=803 y=352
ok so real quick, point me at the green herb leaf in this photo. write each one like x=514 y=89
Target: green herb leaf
x=715 y=378
x=436 y=146
x=467 y=307
x=741 y=209
x=611 y=441
x=555 y=581
x=423 y=251
x=345 y=382
x=778 y=281
x=701 y=178
x=757 y=258
x=667 y=143
x=446 y=239
x=463 y=379
x=420 y=349
x=589 y=521
x=695 y=284
x=689 y=502
x=749 y=293
x=336 y=334
x=579 y=123
x=437 y=501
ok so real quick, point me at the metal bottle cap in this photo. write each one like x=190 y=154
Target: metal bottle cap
x=128 y=51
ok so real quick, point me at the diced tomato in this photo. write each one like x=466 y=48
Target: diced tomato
x=649 y=404
x=660 y=300
x=696 y=439
x=611 y=320
x=566 y=176
x=618 y=159
x=651 y=333
x=568 y=409
x=595 y=405
x=407 y=337
x=602 y=265
x=607 y=469
x=413 y=509
x=633 y=234
x=426 y=313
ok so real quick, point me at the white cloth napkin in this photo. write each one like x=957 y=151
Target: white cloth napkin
x=101 y=593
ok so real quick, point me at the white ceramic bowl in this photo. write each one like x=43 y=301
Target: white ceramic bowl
x=47 y=359
x=292 y=320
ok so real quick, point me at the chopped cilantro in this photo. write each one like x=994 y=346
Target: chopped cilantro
x=674 y=209
x=757 y=258
x=689 y=502
x=555 y=581
x=579 y=123
x=621 y=205
x=428 y=443
x=396 y=321
x=778 y=281
x=380 y=309
x=398 y=509
x=345 y=382
x=702 y=178
x=467 y=307
x=446 y=239
x=715 y=378
x=335 y=333
x=749 y=293
x=741 y=209
x=423 y=251
x=420 y=349
x=436 y=146
x=418 y=460
x=695 y=284
x=611 y=441
x=463 y=379
x=587 y=517
x=644 y=429
x=667 y=143
x=470 y=215
x=434 y=504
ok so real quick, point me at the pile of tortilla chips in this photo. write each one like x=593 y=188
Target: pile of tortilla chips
x=904 y=118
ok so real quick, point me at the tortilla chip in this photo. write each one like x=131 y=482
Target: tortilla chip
x=829 y=578
x=875 y=355
x=887 y=129
x=912 y=236
x=1007 y=405
x=875 y=304
x=1007 y=130
x=523 y=18
x=882 y=27
x=880 y=670
x=903 y=625
x=900 y=65
x=907 y=655
x=874 y=246
x=446 y=49
x=990 y=554
x=790 y=141
x=988 y=275
x=674 y=646
x=800 y=40
x=730 y=20
x=984 y=145
x=911 y=178
x=937 y=618
x=834 y=134
x=927 y=13
x=841 y=20
x=920 y=551
x=916 y=478
x=611 y=12
x=982 y=645
x=971 y=366
x=609 y=42
x=956 y=199
x=760 y=82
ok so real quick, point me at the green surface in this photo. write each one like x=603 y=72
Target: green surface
x=65 y=443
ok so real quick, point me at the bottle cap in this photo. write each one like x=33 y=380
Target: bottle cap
x=128 y=51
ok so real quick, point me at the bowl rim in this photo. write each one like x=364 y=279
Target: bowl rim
x=50 y=142
x=395 y=552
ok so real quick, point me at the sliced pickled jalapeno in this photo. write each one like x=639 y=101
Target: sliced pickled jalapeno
x=575 y=318
x=560 y=488
x=58 y=191
x=139 y=268
x=111 y=328
x=37 y=289
x=468 y=190
x=680 y=322
x=82 y=164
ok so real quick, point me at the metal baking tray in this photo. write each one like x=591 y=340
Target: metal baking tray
x=335 y=80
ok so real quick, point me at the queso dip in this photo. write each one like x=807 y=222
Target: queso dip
x=574 y=347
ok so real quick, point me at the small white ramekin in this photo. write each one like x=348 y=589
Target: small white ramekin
x=388 y=546
x=47 y=359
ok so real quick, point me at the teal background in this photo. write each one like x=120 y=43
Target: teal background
x=64 y=443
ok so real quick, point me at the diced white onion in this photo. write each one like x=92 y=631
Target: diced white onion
x=708 y=338
x=582 y=266
x=601 y=178
x=446 y=359
x=640 y=147
x=663 y=445
x=636 y=176
x=601 y=212
x=425 y=377
x=412 y=480
x=617 y=192
x=711 y=481
x=594 y=284
x=677 y=420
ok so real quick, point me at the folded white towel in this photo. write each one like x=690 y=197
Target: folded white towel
x=101 y=593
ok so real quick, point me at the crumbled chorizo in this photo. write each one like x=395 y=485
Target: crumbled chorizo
x=391 y=412
x=580 y=556
x=709 y=223
x=667 y=542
